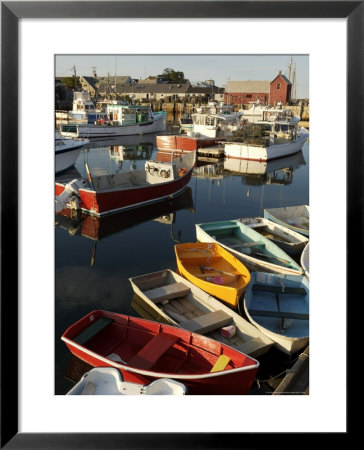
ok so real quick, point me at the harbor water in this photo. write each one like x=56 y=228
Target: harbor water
x=95 y=257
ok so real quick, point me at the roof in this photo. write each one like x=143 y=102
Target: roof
x=256 y=87
x=91 y=80
x=205 y=90
x=147 y=88
x=284 y=78
x=122 y=79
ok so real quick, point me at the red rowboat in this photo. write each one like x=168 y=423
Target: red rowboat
x=145 y=351
x=111 y=193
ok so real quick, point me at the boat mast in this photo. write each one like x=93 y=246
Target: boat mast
x=74 y=71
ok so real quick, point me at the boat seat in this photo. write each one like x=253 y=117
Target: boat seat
x=94 y=328
x=279 y=289
x=167 y=292
x=220 y=364
x=207 y=322
x=225 y=227
x=245 y=244
x=152 y=351
x=278 y=314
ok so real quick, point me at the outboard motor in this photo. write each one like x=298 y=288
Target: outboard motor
x=70 y=190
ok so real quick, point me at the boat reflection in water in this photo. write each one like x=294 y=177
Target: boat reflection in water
x=279 y=171
x=97 y=228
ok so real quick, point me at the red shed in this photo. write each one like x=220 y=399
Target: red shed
x=280 y=90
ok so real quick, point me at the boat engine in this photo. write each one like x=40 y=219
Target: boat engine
x=70 y=190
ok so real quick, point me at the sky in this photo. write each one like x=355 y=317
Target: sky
x=220 y=68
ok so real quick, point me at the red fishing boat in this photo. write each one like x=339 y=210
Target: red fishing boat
x=110 y=193
x=181 y=144
x=145 y=351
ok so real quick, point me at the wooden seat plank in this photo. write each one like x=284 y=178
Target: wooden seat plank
x=152 y=351
x=207 y=322
x=279 y=314
x=167 y=292
x=220 y=364
x=279 y=289
x=94 y=328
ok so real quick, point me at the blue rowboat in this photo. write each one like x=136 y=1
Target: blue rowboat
x=278 y=305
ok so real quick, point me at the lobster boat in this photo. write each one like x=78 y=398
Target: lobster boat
x=110 y=193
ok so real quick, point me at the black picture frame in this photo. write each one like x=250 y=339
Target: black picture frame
x=11 y=13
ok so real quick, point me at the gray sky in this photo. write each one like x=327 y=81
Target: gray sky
x=220 y=68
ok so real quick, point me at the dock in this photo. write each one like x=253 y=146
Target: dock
x=211 y=152
x=296 y=380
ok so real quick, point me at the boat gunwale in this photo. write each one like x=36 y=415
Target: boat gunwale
x=267 y=265
x=238 y=320
x=153 y=374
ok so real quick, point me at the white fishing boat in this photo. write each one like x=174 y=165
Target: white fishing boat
x=67 y=151
x=123 y=120
x=296 y=218
x=278 y=138
x=207 y=125
x=109 y=381
x=250 y=167
x=83 y=109
x=305 y=260
x=170 y=298
x=288 y=240
x=259 y=112
x=279 y=306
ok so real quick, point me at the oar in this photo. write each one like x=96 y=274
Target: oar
x=221 y=271
x=271 y=257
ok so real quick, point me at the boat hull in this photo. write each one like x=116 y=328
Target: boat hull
x=288 y=240
x=109 y=201
x=95 y=131
x=128 y=335
x=197 y=303
x=295 y=218
x=108 y=381
x=192 y=258
x=209 y=233
x=305 y=261
x=176 y=142
x=66 y=154
x=255 y=153
x=293 y=334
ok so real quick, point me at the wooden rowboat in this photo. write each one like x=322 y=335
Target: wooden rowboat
x=253 y=249
x=213 y=269
x=296 y=218
x=109 y=381
x=145 y=351
x=167 y=297
x=279 y=306
x=305 y=260
x=288 y=240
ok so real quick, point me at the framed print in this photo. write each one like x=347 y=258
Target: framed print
x=330 y=34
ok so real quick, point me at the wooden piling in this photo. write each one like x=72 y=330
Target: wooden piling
x=296 y=380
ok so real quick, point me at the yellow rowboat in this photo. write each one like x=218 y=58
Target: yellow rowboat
x=213 y=269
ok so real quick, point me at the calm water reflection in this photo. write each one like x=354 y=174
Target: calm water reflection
x=95 y=257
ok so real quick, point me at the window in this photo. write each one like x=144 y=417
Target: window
x=278 y=86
